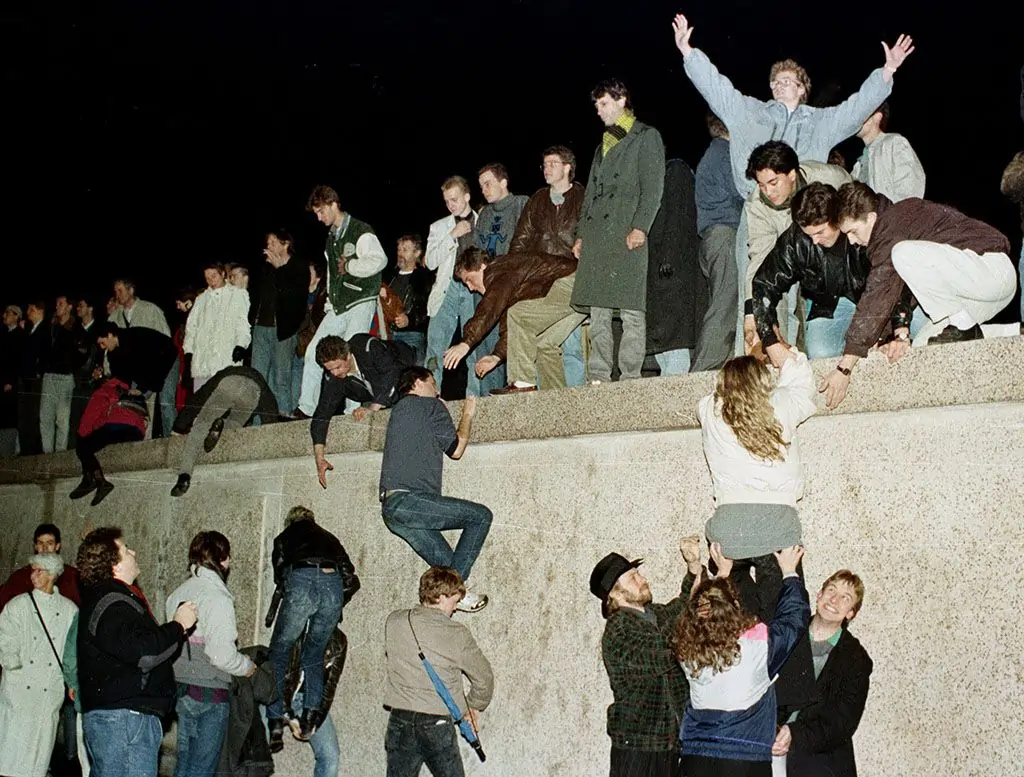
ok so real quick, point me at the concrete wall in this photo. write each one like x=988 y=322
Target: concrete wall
x=915 y=485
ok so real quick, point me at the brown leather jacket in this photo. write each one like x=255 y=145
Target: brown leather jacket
x=910 y=219
x=510 y=279
x=548 y=228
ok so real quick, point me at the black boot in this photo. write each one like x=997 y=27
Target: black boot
x=103 y=488
x=276 y=728
x=953 y=335
x=182 y=486
x=86 y=487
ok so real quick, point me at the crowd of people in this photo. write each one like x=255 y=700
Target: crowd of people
x=767 y=254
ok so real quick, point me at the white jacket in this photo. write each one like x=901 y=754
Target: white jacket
x=212 y=656
x=738 y=476
x=218 y=321
x=890 y=167
x=442 y=251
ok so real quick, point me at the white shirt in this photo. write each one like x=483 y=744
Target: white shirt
x=738 y=476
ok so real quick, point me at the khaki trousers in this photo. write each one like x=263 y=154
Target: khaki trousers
x=536 y=330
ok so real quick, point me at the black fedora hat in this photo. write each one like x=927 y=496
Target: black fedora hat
x=606 y=572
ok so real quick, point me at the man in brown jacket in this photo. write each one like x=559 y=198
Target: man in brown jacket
x=543 y=283
x=548 y=226
x=957 y=268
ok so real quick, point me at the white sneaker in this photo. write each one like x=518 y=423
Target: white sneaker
x=472 y=602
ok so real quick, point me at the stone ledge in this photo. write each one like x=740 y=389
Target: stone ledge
x=979 y=372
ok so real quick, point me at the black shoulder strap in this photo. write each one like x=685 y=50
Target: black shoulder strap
x=105 y=603
x=46 y=631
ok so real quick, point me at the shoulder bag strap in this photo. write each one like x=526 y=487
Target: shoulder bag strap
x=46 y=631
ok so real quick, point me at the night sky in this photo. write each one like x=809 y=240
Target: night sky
x=147 y=138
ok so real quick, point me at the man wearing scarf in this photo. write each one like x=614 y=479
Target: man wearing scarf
x=622 y=198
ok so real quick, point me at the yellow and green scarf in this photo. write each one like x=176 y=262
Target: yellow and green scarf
x=616 y=132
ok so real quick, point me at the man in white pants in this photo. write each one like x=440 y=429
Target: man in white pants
x=957 y=268
x=355 y=261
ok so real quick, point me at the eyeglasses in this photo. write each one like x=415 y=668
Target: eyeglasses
x=784 y=82
x=552 y=165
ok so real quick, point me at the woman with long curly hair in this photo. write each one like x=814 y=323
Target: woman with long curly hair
x=730 y=659
x=748 y=428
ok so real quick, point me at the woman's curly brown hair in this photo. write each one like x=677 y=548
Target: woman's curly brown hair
x=744 y=390
x=707 y=633
x=98 y=555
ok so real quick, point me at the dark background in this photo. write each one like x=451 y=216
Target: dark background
x=147 y=138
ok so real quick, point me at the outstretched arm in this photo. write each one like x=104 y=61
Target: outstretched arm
x=722 y=97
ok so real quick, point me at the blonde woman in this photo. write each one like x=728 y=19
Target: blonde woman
x=748 y=426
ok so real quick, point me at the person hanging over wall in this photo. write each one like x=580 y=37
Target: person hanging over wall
x=420 y=434
x=115 y=413
x=313 y=570
x=815 y=255
x=230 y=399
x=958 y=270
x=748 y=430
x=649 y=688
x=526 y=296
x=731 y=658
x=364 y=369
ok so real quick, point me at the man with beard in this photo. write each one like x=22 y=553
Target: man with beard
x=650 y=689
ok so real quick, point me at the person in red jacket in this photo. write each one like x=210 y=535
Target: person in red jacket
x=45 y=539
x=115 y=413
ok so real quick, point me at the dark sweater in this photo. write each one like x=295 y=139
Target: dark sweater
x=124 y=656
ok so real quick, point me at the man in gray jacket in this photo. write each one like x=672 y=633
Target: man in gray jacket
x=420 y=728
x=811 y=132
x=627 y=178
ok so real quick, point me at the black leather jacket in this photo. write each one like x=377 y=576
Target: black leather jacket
x=824 y=275
x=305 y=541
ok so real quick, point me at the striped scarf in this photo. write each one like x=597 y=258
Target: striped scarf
x=616 y=132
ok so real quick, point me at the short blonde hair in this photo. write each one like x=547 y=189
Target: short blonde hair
x=801 y=75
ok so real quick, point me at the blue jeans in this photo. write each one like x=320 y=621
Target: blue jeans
x=202 y=727
x=415 y=340
x=326 y=750
x=122 y=742
x=415 y=738
x=572 y=359
x=274 y=359
x=825 y=337
x=312 y=598
x=419 y=518
x=167 y=400
x=458 y=306
x=675 y=362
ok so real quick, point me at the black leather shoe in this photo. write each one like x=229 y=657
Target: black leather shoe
x=86 y=487
x=182 y=486
x=276 y=728
x=953 y=335
x=213 y=437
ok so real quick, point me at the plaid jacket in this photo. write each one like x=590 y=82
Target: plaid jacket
x=650 y=689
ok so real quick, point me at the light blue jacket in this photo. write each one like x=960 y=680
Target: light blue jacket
x=812 y=132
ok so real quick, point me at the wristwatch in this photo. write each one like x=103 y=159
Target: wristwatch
x=844 y=370
x=902 y=336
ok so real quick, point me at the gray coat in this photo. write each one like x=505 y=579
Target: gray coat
x=623 y=193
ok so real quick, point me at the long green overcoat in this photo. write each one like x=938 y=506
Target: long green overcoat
x=623 y=192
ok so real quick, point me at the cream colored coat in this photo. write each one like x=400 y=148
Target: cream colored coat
x=32 y=687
